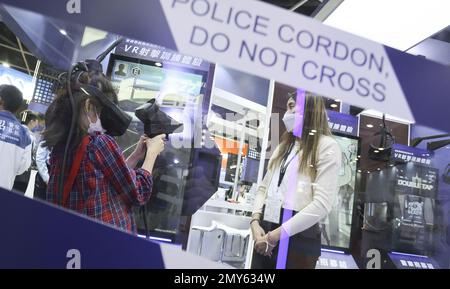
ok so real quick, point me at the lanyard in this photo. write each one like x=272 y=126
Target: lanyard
x=285 y=163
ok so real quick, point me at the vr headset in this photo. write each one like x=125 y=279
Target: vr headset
x=114 y=120
x=155 y=121
x=382 y=151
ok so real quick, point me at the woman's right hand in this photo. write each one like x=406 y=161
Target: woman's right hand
x=257 y=231
x=156 y=145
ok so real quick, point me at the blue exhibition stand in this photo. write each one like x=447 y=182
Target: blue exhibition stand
x=34 y=234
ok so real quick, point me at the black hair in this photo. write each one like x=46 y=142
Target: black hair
x=27 y=116
x=41 y=116
x=59 y=114
x=12 y=98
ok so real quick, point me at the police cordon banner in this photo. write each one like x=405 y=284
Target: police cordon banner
x=38 y=235
x=274 y=43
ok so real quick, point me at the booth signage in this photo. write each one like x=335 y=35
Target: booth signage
x=274 y=43
x=147 y=51
x=403 y=153
x=407 y=261
x=342 y=123
x=331 y=260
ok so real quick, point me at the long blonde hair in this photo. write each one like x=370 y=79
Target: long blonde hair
x=316 y=121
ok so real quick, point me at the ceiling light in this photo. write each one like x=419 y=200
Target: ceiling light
x=403 y=25
x=376 y=151
x=381 y=149
x=311 y=133
x=337 y=100
x=379 y=169
x=176 y=161
x=6 y=64
x=63 y=32
x=369 y=125
x=334 y=105
x=359 y=171
x=158 y=64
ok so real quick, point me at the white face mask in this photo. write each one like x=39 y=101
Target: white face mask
x=289 y=121
x=95 y=127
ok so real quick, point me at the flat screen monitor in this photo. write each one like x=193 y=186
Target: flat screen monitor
x=181 y=93
x=250 y=170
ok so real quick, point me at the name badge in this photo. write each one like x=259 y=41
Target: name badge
x=272 y=210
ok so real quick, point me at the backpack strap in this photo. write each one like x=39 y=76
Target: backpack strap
x=81 y=151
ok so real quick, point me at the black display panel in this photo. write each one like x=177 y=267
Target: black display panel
x=181 y=93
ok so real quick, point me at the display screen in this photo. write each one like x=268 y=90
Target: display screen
x=336 y=229
x=250 y=170
x=179 y=93
x=414 y=208
x=141 y=82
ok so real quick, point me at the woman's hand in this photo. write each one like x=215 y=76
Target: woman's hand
x=156 y=145
x=265 y=245
x=258 y=236
x=141 y=148
x=257 y=231
x=138 y=153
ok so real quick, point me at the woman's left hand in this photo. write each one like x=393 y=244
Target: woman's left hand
x=265 y=246
x=141 y=148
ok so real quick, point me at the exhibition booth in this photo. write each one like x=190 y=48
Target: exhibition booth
x=393 y=195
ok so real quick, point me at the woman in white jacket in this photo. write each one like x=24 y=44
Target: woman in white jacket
x=298 y=190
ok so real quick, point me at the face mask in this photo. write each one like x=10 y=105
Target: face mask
x=95 y=127
x=289 y=121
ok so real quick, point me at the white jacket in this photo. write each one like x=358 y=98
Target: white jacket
x=15 y=149
x=312 y=199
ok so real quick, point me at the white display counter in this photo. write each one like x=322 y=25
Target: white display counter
x=220 y=231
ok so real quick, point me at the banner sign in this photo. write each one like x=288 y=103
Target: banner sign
x=275 y=43
x=407 y=261
x=331 y=260
x=342 y=123
x=403 y=153
x=38 y=235
x=152 y=52
x=22 y=81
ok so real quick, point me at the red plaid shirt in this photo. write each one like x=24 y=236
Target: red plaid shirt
x=105 y=188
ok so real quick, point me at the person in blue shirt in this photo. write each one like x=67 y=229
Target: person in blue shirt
x=15 y=141
x=29 y=122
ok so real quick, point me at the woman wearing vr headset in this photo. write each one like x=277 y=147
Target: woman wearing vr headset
x=301 y=184
x=98 y=181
